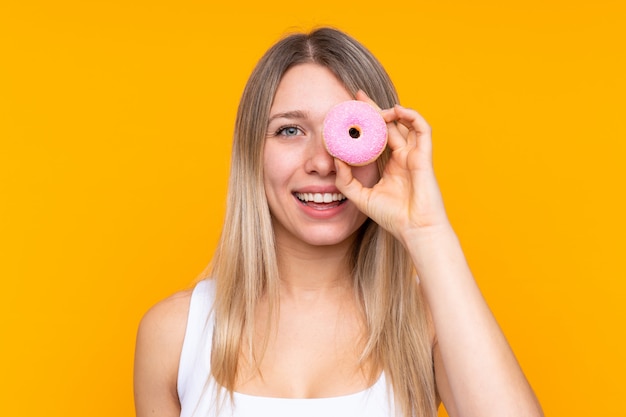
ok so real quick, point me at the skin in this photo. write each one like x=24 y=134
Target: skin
x=296 y=160
x=476 y=371
x=320 y=325
x=314 y=352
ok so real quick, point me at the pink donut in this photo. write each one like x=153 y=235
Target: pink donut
x=355 y=132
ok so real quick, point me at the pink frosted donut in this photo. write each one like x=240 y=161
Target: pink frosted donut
x=355 y=132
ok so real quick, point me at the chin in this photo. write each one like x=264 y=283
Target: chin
x=330 y=238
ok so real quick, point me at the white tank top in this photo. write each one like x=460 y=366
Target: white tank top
x=197 y=392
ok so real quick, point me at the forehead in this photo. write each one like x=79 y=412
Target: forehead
x=309 y=87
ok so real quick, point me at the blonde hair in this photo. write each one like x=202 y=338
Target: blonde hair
x=245 y=265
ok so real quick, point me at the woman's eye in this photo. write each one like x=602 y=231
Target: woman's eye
x=289 y=131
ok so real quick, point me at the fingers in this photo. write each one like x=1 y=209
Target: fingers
x=406 y=126
x=412 y=126
x=361 y=96
x=405 y=116
x=409 y=118
x=350 y=186
x=398 y=133
x=395 y=141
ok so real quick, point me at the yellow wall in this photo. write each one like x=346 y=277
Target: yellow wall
x=115 y=121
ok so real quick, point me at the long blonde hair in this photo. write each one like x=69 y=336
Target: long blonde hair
x=245 y=265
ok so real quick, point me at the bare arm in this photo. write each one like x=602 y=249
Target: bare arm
x=476 y=370
x=477 y=374
x=157 y=354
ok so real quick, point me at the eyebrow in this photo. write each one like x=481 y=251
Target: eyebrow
x=293 y=114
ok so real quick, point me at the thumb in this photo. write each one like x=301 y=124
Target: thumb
x=349 y=186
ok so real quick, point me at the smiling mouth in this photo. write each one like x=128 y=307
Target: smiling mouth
x=321 y=199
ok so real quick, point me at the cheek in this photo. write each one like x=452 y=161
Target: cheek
x=278 y=166
x=271 y=165
x=268 y=174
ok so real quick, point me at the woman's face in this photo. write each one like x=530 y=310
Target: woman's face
x=299 y=174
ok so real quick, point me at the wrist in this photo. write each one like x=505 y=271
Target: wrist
x=433 y=247
x=428 y=236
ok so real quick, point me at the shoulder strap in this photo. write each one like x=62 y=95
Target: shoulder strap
x=195 y=357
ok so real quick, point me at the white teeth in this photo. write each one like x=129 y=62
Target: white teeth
x=320 y=198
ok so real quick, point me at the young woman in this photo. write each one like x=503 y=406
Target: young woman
x=335 y=290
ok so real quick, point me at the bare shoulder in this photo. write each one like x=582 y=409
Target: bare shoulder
x=167 y=316
x=157 y=354
x=162 y=329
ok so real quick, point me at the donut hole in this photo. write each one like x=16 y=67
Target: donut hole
x=354 y=132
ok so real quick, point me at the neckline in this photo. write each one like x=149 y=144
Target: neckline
x=379 y=385
x=380 y=382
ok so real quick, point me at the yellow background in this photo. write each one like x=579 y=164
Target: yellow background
x=115 y=127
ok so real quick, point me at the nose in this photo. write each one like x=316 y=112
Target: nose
x=318 y=160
